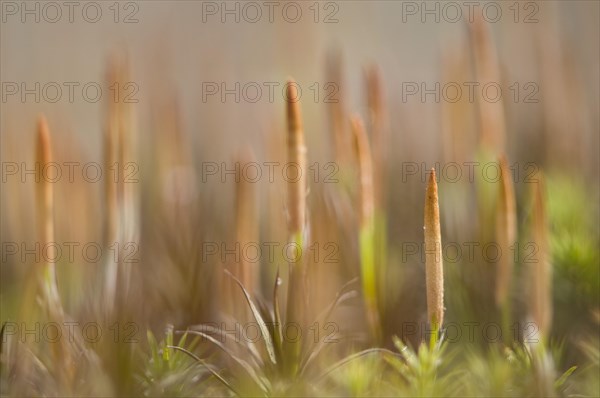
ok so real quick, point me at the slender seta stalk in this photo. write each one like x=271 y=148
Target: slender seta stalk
x=367 y=225
x=434 y=268
x=296 y=196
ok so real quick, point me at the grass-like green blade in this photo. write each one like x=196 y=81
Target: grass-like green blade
x=207 y=366
x=244 y=364
x=261 y=323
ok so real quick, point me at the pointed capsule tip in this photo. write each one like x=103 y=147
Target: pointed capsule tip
x=42 y=124
x=291 y=89
x=432 y=179
x=44 y=154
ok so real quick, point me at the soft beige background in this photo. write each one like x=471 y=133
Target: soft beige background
x=172 y=52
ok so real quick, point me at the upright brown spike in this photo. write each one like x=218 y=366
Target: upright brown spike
x=434 y=268
x=374 y=99
x=491 y=113
x=127 y=193
x=112 y=162
x=45 y=190
x=126 y=138
x=541 y=269
x=297 y=299
x=45 y=204
x=337 y=114
x=366 y=216
x=377 y=128
x=506 y=231
x=365 y=171
x=111 y=158
x=46 y=277
x=296 y=157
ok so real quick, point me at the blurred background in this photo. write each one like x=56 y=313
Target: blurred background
x=176 y=59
